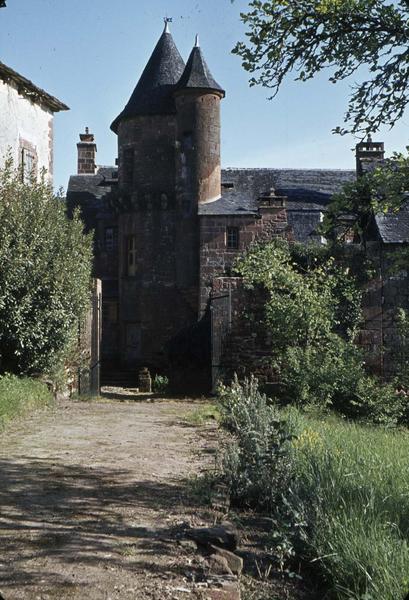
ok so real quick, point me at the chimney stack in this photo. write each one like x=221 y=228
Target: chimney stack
x=368 y=154
x=87 y=150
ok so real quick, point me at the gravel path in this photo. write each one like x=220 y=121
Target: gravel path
x=91 y=496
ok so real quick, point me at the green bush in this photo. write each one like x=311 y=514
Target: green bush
x=311 y=316
x=257 y=461
x=333 y=377
x=21 y=396
x=160 y=384
x=45 y=274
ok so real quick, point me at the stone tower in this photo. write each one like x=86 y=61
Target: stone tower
x=169 y=162
x=198 y=98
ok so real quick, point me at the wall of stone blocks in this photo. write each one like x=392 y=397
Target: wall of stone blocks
x=216 y=259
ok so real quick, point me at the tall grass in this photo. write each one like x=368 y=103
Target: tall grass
x=352 y=486
x=338 y=491
x=19 y=396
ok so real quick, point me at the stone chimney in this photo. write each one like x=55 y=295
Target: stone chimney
x=87 y=150
x=368 y=154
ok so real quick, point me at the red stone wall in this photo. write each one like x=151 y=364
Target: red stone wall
x=198 y=135
x=216 y=259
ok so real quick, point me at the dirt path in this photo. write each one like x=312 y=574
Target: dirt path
x=91 y=496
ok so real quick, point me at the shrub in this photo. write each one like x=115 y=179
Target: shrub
x=21 y=396
x=334 y=377
x=44 y=278
x=160 y=384
x=257 y=461
x=312 y=312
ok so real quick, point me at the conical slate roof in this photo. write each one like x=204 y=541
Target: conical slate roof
x=153 y=93
x=197 y=74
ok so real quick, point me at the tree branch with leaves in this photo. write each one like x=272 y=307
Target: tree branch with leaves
x=360 y=38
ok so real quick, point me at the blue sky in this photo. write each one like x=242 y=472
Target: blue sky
x=90 y=54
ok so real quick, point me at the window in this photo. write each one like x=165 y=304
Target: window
x=111 y=239
x=232 y=238
x=131 y=255
x=128 y=166
x=28 y=165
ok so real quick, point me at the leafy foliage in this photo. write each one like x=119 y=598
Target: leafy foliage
x=312 y=313
x=257 y=463
x=304 y=37
x=383 y=189
x=160 y=384
x=44 y=278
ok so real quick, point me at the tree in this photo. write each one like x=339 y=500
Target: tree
x=311 y=315
x=303 y=37
x=44 y=276
x=377 y=191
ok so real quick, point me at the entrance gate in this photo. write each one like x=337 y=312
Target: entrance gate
x=220 y=311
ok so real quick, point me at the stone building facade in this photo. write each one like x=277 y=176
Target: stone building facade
x=169 y=221
x=26 y=122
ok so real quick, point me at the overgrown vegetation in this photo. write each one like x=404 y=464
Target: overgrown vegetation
x=44 y=278
x=337 y=492
x=19 y=396
x=160 y=384
x=311 y=315
x=202 y=414
x=352 y=210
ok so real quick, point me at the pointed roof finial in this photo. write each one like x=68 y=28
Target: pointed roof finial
x=167 y=20
x=197 y=45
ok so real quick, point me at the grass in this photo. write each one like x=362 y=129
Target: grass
x=341 y=498
x=202 y=414
x=352 y=488
x=20 y=396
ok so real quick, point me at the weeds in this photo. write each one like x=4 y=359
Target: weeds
x=202 y=414
x=21 y=396
x=160 y=384
x=337 y=492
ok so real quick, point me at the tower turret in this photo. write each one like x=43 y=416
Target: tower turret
x=146 y=127
x=198 y=98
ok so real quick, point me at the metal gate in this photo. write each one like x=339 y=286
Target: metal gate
x=90 y=345
x=220 y=311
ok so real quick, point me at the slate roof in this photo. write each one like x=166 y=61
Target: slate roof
x=197 y=74
x=153 y=94
x=308 y=192
x=393 y=227
x=88 y=193
x=29 y=90
x=306 y=189
x=92 y=185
